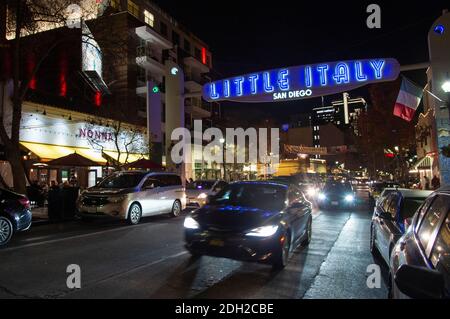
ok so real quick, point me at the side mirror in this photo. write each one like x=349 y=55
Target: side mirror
x=419 y=282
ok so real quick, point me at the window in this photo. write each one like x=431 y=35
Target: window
x=431 y=219
x=115 y=4
x=163 y=29
x=187 y=46
x=133 y=8
x=440 y=256
x=149 y=18
x=393 y=206
x=197 y=53
x=175 y=38
x=151 y=183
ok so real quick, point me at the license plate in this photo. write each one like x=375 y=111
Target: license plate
x=334 y=203
x=216 y=242
x=92 y=210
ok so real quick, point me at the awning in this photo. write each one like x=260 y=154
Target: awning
x=424 y=163
x=48 y=152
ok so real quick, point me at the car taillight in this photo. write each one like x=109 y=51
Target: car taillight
x=25 y=202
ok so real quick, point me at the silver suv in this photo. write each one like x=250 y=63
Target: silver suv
x=132 y=195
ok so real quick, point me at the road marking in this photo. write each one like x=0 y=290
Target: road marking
x=52 y=241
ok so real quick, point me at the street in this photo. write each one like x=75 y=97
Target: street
x=149 y=261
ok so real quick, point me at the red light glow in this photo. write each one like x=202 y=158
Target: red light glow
x=98 y=99
x=204 y=55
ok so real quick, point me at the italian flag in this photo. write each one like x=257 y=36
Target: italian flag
x=408 y=100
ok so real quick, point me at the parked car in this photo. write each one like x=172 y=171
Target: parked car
x=15 y=215
x=376 y=188
x=420 y=261
x=336 y=194
x=391 y=217
x=251 y=221
x=131 y=195
x=198 y=191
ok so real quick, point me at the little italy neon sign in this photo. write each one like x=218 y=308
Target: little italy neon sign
x=299 y=82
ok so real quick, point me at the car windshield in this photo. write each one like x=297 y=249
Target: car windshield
x=337 y=187
x=122 y=180
x=262 y=196
x=409 y=207
x=200 y=185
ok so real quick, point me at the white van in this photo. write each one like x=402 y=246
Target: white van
x=131 y=195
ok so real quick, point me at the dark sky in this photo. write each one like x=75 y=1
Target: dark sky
x=246 y=36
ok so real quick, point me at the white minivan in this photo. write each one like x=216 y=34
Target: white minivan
x=131 y=195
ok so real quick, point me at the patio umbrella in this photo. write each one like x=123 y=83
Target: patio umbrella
x=144 y=164
x=73 y=160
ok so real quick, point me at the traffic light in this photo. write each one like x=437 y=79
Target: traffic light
x=155 y=89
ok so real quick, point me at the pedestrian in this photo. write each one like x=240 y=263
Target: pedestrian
x=435 y=182
x=426 y=183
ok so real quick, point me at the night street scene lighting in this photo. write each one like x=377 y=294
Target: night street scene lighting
x=232 y=158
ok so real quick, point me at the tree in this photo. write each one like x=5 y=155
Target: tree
x=125 y=140
x=29 y=17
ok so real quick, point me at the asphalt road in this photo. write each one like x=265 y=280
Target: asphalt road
x=149 y=261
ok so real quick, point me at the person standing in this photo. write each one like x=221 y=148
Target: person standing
x=435 y=182
x=427 y=183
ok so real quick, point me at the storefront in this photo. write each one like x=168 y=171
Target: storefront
x=49 y=133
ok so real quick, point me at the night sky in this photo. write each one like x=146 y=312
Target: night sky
x=246 y=36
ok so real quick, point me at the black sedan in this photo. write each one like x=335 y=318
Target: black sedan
x=420 y=261
x=251 y=221
x=15 y=215
x=336 y=194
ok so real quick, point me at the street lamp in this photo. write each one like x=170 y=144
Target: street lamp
x=396 y=148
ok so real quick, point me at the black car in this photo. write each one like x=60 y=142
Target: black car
x=251 y=221
x=336 y=194
x=15 y=214
x=420 y=261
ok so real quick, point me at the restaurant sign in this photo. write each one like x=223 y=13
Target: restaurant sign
x=300 y=82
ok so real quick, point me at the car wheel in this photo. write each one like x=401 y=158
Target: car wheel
x=282 y=256
x=176 y=208
x=307 y=240
x=6 y=230
x=134 y=214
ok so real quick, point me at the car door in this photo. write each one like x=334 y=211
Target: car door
x=385 y=224
x=148 y=196
x=440 y=254
x=298 y=211
x=170 y=190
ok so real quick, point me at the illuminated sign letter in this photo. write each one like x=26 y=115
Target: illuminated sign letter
x=226 y=88
x=267 y=86
x=359 y=74
x=341 y=73
x=238 y=81
x=213 y=94
x=323 y=74
x=283 y=80
x=253 y=78
x=308 y=77
x=377 y=66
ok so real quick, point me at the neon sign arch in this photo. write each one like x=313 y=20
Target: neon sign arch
x=300 y=82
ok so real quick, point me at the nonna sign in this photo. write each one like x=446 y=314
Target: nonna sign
x=301 y=82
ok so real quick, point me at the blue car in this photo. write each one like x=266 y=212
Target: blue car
x=420 y=260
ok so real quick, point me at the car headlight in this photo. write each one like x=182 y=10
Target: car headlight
x=349 y=198
x=190 y=223
x=311 y=191
x=202 y=196
x=117 y=199
x=264 y=231
x=321 y=196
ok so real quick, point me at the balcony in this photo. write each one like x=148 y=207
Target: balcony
x=197 y=109
x=196 y=64
x=146 y=59
x=148 y=34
